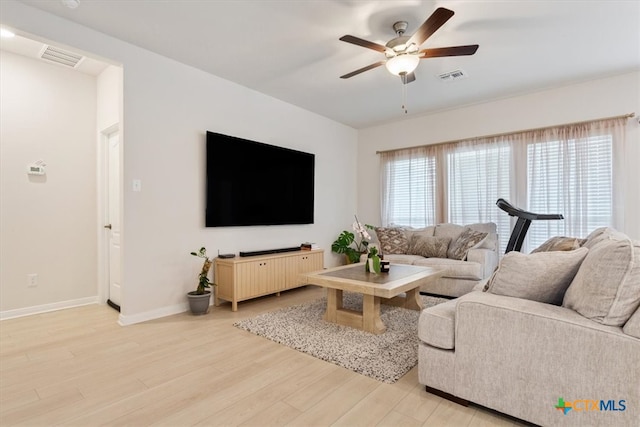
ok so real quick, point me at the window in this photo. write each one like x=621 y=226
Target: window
x=574 y=178
x=569 y=170
x=410 y=188
x=477 y=176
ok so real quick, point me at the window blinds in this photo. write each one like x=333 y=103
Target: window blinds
x=569 y=169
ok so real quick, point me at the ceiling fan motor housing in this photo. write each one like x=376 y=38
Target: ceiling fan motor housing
x=400 y=27
x=398 y=45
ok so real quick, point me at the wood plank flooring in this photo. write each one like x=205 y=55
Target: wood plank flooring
x=78 y=367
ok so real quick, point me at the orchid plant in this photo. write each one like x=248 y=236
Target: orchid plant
x=352 y=245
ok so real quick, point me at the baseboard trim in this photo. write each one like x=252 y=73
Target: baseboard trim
x=126 y=320
x=45 y=308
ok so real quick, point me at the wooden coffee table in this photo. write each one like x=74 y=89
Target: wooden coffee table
x=380 y=288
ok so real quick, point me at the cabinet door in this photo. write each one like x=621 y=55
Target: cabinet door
x=276 y=272
x=225 y=279
x=303 y=263
x=260 y=277
x=313 y=262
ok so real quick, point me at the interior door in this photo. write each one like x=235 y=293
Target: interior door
x=113 y=220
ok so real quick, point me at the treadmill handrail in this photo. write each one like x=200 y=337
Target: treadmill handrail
x=513 y=211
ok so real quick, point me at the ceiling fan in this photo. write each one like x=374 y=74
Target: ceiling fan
x=403 y=53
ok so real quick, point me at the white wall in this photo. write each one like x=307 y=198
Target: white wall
x=606 y=97
x=109 y=90
x=48 y=223
x=167 y=108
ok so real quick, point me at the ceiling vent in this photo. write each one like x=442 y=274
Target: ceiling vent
x=453 y=75
x=59 y=56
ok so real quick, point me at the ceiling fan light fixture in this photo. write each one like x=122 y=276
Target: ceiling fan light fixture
x=71 y=4
x=6 y=34
x=402 y=64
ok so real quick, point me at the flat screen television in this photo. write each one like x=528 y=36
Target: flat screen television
x=252 y=183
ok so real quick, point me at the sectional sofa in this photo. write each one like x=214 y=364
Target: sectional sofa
x=467 y=254
x=552 y=338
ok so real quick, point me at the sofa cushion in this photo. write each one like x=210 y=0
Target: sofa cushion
x=542 y=277
x=424 y=232
x=437 y=324
x=392 y=240
x=597 y=236
x=402 y=258
x=453 y=268
x=559 y=243
x=606 y=289
x=468 y=239
x=451 y=231
x=428 y=247
x=632 y=327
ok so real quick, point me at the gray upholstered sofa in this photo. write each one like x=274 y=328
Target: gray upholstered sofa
x=576 y=364
x=478 y=260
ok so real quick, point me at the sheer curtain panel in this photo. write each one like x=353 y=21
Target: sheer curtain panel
x=571 y=170
x=575 y=170
x=408 y=187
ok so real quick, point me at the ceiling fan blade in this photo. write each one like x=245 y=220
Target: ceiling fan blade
x=363 y=69
x=363 y=43
x=430 y=26
x=449 y=51
x=408 y=78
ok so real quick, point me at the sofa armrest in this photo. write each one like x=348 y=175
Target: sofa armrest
x=519 y=357
x=487 y=258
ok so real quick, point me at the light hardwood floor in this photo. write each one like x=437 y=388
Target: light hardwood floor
x=79 y=367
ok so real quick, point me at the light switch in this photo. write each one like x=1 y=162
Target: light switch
x=137 y=185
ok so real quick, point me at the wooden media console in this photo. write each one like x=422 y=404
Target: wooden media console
x=244 y=278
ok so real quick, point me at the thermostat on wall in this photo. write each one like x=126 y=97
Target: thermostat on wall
x=36 y=168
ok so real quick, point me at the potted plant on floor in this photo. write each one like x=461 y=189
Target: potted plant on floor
x=343 y=244
x=200 y=298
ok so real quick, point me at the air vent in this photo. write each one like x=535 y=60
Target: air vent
x=59 y=56
x=453 y=75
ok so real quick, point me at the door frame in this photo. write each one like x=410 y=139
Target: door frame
x=102 y=168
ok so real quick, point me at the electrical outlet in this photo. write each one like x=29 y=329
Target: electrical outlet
x=32 y=280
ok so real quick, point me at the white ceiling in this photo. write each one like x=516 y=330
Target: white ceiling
x=33 y=49
x=290 y=49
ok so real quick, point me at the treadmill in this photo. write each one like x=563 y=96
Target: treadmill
x=522 y=224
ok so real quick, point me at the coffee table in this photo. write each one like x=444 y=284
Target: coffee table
x=380 y=288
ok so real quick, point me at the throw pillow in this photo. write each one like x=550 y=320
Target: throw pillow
x=392 y=240
x=607 y=286
x=467 y=240
x=452 y=231
x=424 y=232
x=598 y=235
x=542 y=277
x=491 y=242
x=428 y=247
x=559 y=244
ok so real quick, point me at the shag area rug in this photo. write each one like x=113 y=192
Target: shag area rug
x=385 y=357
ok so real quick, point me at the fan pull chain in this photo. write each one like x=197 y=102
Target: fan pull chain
x=404 y=94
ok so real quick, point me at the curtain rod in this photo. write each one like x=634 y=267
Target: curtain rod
x=495 y=135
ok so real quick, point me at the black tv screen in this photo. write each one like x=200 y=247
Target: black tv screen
x=251 y=183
